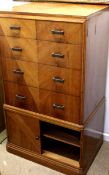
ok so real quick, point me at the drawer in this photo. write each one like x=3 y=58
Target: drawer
x=21 y=96
x=18 y=28
x=60 y=106
x=59 y=32
x=18 y=48
x=60 y=55
x=23 y=130
x=21 y=72
x=59 y=79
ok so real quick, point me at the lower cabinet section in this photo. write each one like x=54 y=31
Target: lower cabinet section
x=39 y=139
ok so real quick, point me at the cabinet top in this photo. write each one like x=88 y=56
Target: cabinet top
x=50 y=9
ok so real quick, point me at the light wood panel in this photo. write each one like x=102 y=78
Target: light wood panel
x=68 y=106
x=59 y=32
x=59 y=79
x=52 y=9
x=18 y=28
x=23 y=131
x=19 y=48
x=20 y=72
x=68 y=55
x=21 y=96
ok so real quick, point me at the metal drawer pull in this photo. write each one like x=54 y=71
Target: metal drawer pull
x=18 y=71
x=57 y=106
x=58 y=55
x=15 y=27
x=58 y=79
x=57 y=32
x=18 y=49
x=37 y=138
x=20 y=97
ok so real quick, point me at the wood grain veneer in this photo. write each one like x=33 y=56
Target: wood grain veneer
x=20 y=72
x=27 y=48
x=25 y=28
x=44 y=32
x=72 y=54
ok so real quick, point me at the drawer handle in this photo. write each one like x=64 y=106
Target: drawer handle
x=15 y=27
x=20 y=97
x=18 y=71
x=18 y=49
x=57 y=32
x=37 y=138
x=58 y=79
x=57 y=55
x=57 y=106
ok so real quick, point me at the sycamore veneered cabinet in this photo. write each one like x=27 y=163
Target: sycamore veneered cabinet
x=54 y=59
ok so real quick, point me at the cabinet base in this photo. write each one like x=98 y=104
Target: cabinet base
x=58 y=166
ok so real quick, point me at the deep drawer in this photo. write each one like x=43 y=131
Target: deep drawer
x=21 y=96
x=60 y=106
x=18 y=28
x=18 y=48
x=59 y=32
x=60 y=55
x=20 y=72
x=60 y=79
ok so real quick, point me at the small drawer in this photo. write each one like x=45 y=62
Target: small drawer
x=21 y=96
x=18 y=48
x=60 y=55
x=20 y=72
x=59 y=32
x=18 y=28
x=60 y=106
x=61 y=80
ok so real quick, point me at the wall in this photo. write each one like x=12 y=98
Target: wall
x=106 y=125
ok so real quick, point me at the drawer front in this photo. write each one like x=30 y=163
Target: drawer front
x=21 y=96
x=20 y=72
x=23 y=130
x=59 y=32
x=59 y=79
x=60 y=55
x=17 y=48
x=60 y=106
x=18 y=28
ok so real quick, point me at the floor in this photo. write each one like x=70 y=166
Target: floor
x=14 y=165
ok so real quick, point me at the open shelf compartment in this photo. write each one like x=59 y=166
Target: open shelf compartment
x=61 y=134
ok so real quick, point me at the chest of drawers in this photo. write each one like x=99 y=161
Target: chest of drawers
x=54 y=73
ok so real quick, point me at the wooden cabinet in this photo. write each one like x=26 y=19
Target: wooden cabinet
x=54 y=59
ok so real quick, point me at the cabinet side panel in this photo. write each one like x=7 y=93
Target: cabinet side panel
x=93 y=137
x=96 y=61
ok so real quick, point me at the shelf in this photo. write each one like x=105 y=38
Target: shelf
x=61 y=152
x=60 y=158
x=63 y=137
x=61 y=134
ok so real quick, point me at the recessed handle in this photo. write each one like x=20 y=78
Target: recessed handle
x=57 y=55
x=18 y=49
x=18 y=71
x=57 y=106
x=20 y=97
x=57 y=32
x=15 y=27
x=58 y=79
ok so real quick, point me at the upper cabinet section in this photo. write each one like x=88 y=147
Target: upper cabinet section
x=18 y=28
